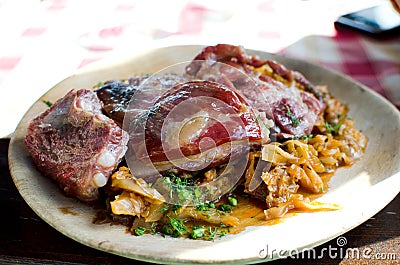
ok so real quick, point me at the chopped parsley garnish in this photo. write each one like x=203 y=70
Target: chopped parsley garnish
x=163 y=209
x=197 y=192
x=198 y=232
x=167 y=229
x=176 y=207
x=295 y=121
x=184 y=191
x=212 y=233
x=153 y=227
x=176 y=227
x=232 y=201
x=202 y=207
x=225 y=208
x=177 y=186
x=205 y=206
x=99 y=84
x=304 y=137
x=332 y=128
x=48 y=103
x=181 y=227
x=140 y=230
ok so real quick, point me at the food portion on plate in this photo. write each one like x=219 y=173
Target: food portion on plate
x=75 y=144
x=233 y=141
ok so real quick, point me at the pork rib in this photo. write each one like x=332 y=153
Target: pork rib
x=73 y=143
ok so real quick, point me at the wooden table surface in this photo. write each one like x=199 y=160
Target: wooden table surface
x=26 y=239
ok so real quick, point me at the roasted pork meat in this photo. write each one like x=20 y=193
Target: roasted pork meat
x=284 y=95
x=196 y=125
x=73 y=143
x=116 y=94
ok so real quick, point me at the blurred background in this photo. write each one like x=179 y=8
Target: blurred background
x=43 y=42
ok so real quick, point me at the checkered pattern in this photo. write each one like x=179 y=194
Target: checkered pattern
x=373 y=63
x=47 y=40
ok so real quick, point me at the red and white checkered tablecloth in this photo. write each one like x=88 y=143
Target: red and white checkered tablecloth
x=42 y=42
x=374 y=63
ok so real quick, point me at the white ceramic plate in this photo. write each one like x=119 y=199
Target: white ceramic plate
x=362 y=190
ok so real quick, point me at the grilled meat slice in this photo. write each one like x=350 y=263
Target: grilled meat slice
x=284 y=95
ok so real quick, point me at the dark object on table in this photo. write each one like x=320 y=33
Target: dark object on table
x=380 y=21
